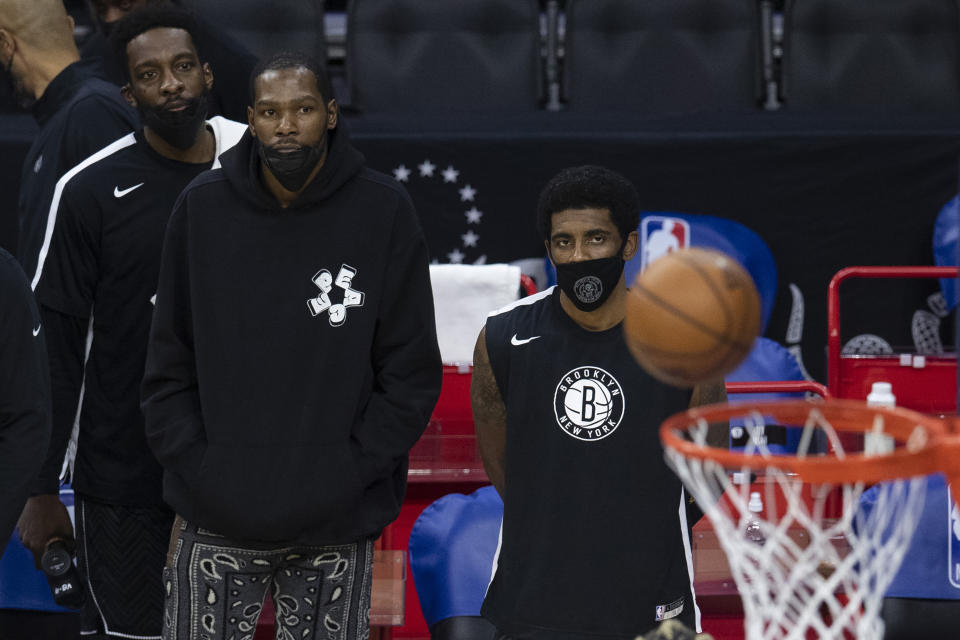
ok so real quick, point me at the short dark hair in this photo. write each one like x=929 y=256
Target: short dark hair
x=291 y=60
x=152 y=16
x=590 y=187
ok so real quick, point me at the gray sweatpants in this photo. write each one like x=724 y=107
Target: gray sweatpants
x=215 y=588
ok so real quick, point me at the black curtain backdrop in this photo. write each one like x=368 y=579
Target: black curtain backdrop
x=824 y=192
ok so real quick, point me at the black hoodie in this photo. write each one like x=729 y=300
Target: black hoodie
x=293 y=356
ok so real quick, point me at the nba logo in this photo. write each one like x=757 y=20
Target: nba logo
x=953 y=553
x=660 y=612
x=660 y=235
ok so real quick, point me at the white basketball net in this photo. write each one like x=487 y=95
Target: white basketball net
x=826 y=561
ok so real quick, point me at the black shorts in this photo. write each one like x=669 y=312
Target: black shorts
x=121 y=551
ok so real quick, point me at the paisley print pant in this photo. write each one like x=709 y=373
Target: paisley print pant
x=215 y=588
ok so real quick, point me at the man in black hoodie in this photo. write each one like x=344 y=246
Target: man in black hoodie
x=292 y=364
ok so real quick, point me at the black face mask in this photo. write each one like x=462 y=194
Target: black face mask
x=291 y=168
x=106 y=28
x=589 y=283
x=178 y=128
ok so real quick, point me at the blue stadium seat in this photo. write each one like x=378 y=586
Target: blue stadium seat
x=452 y=547
x=946 y=233
x=923 y=600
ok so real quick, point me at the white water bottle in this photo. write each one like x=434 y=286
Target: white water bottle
x=754 y=532
x=881 y=395
x=876 y=442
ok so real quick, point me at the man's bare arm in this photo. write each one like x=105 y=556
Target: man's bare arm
x=718 y=434
x=489 y=415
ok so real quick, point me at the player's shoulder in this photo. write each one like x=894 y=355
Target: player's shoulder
x=96 y=101
x=371 y=178
x=525 y=316
x=98 y=168
x=209 y=184
x=12 y=278
x=228 y=132
x=529 y=307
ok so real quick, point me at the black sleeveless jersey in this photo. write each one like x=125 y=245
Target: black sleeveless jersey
x=595 y=539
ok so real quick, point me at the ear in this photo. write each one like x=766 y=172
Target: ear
x=631 y=245
x=207 y=76
x=71 y=22
x=127 y=92
x=546 y=245
x=7 y=45
x=333 y=114
x=253 y=130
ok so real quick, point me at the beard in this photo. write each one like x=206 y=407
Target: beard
x=178 y=128
x=12 y=89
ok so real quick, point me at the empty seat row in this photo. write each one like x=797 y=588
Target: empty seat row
x=645 y=56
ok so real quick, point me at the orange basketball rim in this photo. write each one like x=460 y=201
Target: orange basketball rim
x=930 y=444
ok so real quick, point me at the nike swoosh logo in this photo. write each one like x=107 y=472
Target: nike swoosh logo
x=36 y=331
x=517 y=342
x=117 y=193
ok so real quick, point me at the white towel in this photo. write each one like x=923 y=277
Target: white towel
x=463 y=295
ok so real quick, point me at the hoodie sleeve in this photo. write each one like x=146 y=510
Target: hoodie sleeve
x=170 y=397
x=405 y=356
x=24 y=393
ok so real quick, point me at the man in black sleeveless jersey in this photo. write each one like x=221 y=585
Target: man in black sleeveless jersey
x=595 y=538
x=96 y=280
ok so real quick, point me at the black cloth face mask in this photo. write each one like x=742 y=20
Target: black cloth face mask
x=589 y=283
x=178 y=128
x=291 y=168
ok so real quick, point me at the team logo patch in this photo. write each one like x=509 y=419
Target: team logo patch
x=588 y=289
x=588 y=403
x=337 y=313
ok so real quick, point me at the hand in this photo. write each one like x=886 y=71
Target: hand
x=43 y=520
x=673 y=630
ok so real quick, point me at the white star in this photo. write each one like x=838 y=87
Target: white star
x=401 y=173
x=467 y=193
x=426 y=169
x=481 y=260
x=473 y=215
x=470 y=239
x=450 y=174
x=456 y=256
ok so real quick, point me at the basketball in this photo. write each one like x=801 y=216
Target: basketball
x=692 y=316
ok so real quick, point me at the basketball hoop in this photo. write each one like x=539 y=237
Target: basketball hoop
x=814 y=560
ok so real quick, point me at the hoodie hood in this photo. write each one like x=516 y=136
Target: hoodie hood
x=241 y=165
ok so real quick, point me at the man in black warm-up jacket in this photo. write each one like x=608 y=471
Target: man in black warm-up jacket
x=292 y=364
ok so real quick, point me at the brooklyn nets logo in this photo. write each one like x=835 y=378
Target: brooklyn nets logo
x=588 y=403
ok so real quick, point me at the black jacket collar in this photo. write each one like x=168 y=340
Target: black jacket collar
x=64 y=86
